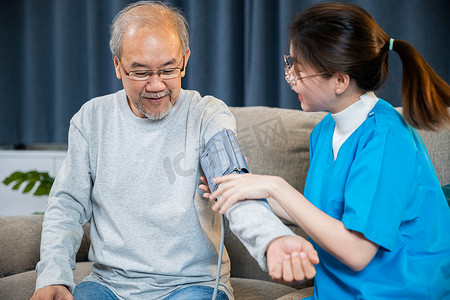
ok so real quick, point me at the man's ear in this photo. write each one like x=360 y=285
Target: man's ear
x=186 y=58
x=117 y=66
x=342 y=82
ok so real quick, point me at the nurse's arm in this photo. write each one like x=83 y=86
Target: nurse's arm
x=279 y=210
x=349 y=247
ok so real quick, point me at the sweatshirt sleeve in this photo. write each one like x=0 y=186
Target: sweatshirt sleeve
x=252 y=221
x=68 y=208
x=256 y=227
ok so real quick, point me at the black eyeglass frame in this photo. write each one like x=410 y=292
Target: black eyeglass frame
x=148 y=73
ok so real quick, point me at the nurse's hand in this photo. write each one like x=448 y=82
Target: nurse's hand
x=238 y=187
x=205 y=187
x=291 y=258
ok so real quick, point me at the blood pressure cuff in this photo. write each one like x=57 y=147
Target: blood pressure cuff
x=222 y=156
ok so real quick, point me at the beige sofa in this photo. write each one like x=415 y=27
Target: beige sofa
x=276 y=141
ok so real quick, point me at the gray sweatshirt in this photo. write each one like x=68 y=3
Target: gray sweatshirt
x=137 y=181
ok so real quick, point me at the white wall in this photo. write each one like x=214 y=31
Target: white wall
x=14 y=203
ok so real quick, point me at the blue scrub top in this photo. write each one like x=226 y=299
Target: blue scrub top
x=383 y=185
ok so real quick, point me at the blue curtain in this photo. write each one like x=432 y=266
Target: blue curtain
x=54 y=55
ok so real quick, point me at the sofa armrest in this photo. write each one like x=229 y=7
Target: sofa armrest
x=20 y=239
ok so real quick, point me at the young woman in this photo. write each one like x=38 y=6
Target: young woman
x=372 y=206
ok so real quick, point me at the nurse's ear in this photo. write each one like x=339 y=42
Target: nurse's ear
x=341 y=82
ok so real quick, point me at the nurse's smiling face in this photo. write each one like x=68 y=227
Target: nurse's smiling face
x=316 y=91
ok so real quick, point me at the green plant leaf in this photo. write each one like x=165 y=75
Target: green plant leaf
x=29 y=187
x=13 y=177
x=17 y=185
x=43 y=189
x=32 y=177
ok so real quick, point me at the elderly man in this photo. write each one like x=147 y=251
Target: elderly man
x=153 y=236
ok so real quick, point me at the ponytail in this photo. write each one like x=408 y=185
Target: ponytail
x=425 y=95
x=344 y=38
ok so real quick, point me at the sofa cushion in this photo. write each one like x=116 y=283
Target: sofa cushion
x=251 y=289
x=21 y=286
x=301 y=294
x=20 y=244
x=437 y=144
x=276 y=140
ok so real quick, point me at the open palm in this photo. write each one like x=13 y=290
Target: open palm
x=291 y=258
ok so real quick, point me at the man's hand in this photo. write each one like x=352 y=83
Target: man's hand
x=53 y=292
x=291 y=258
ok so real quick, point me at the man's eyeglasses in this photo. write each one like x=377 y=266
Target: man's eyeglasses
x=142 y=75
x=289 y=76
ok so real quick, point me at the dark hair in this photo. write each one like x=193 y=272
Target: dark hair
x=344 y=38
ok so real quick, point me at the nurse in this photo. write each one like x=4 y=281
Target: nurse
x=372 y=205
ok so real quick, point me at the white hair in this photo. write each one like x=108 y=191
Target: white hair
x=155 y=12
